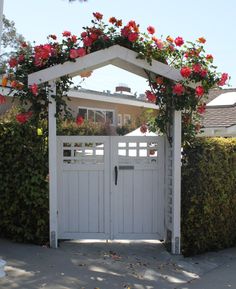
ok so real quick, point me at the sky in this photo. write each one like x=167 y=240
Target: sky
x=213 y=19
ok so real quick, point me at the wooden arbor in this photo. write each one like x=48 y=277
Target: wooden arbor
x=127 y=60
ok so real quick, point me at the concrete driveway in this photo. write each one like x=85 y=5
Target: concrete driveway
x=100 y=265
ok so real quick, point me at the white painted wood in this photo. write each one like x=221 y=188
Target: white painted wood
x=137 y=195
x=52 y=144
x=116 y=55
x=83 y=190
x=176 y=195
x=131 y=211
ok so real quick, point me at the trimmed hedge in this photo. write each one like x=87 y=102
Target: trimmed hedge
x=209 y=195
x=24 y=183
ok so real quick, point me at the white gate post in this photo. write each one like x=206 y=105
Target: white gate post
x=52 y=148
x=176 y=182
x=173 y=184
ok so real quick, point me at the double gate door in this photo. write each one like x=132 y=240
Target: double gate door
x=110 y=187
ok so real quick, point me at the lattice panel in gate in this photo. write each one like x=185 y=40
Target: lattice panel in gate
x=137 y=152
x=83 y=152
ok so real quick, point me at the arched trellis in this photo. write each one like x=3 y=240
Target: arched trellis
x=125 y=59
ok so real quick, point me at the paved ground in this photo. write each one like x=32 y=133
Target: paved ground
x=112 y=265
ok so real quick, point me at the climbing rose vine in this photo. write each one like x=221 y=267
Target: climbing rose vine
x=197 y=72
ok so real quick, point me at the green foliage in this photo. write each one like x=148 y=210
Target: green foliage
x=10 y=42
x=24 y=182
x=86 y=128
x=209 y=195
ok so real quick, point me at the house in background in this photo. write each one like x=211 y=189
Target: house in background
x=219 y=118
x=118 y=109
x=121 y=108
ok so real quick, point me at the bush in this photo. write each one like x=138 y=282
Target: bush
x=209 y=195
x=86 y=128
x=24 y=185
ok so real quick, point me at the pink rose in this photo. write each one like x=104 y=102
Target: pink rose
x=73 y=53
x=133 y=36
x=179 y=41
x=81 y=52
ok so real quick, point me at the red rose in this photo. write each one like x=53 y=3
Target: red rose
x=125 y=31
x=203 y=73
x=34 y=88
x=83 y=34
x=178 y=89
x=53 y=36
x=132 y=24
x=23 y=117
x=23 y=44
x=201 y=40
x=197 y=68
x=185 y=71
x=223 y=79
x=112 y=20
x=159 y=80
x=119 y=23
x=133 y=36
x=151 y=30
x=79 y=120
x=87 y=41
x=179 y=41
x=201 y=109
x=66 y=34
x=21 y=58
x=81 y=52
x=73 y=53
x=94 y=36
x=199 y=91
x=13 y=62
x=98 y=15
x=150 y=96
x=209 y=57
x=143 y=128
x=74 y=38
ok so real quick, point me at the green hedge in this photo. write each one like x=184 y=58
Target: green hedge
x=24 y=208
x=209 y=195
x=24 y=183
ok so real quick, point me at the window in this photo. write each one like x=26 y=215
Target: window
x=97 y=115
x=119 y=120
x=127 y=119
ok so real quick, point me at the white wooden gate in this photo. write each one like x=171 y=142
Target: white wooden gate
x=110 y=187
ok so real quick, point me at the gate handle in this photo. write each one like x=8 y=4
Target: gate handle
x=116 y=175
